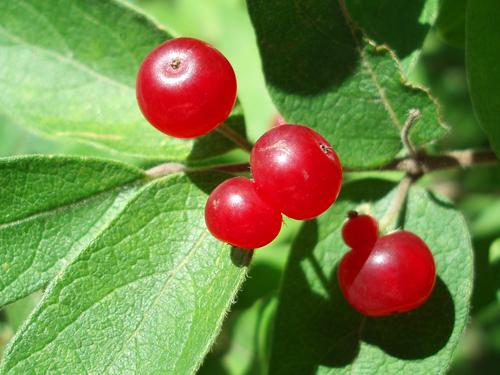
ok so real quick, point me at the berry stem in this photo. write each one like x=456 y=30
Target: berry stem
x=388 y=222
x=230 y=134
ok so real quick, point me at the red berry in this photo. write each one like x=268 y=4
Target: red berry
x=236 y=214
x=296 y=170
x=185 y=87
x=396 y=275
x=360 y=231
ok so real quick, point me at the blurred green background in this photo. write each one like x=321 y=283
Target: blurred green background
x=244 y=339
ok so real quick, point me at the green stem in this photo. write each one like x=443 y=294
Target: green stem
x=390 y=219
x=240 y=141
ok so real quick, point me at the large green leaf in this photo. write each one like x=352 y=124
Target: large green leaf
x=400 y=24
x=321 y=75
x=147 y=296
x=68 y=70
x=50 y=209
x=482 y=57
x=316 y=331
x=451 y=22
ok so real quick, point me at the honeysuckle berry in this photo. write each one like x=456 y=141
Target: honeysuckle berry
x=360 y=230
x=236 y=214
x=296 y=170
x=186 y=88
x=395 y=274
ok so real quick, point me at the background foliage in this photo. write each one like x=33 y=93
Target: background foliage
x=96 y=254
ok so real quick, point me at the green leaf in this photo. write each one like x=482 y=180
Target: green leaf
x=451 y=22
x=353 y=93
x=402 y=25
x=18 y=140
x=316 y=331
x=68 y=70
x=50 y=209
x=482 y=57
x=148 y=295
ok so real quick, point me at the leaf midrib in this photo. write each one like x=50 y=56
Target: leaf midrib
x=366 y=64
x=73 y=204
x=183 y=261
x=164 y=287
x=364 y=61
x=74 y=250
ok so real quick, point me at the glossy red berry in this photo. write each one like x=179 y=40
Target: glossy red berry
x=186 y=88
x=236 y=214
x=360 y=231
x=396 y=275
x=296 y=170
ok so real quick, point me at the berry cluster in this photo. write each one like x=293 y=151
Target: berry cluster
x=295 y=172
x=186 y=88
x=383 y=275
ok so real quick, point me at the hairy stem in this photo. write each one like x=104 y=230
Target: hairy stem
x=413 y=116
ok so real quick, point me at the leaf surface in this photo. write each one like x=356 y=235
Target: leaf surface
x=68 y=70
x=483 y=72
x=319 y=73
x=147 y=296
x=50 y=209
x=316 y=331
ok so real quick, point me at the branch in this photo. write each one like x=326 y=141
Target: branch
x=452 y=159
x=425 y=164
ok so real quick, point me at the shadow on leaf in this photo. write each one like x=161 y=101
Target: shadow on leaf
x=416 y=334
x=316 y=327
x=310 y=51
x=321 y=330
x=392 y=22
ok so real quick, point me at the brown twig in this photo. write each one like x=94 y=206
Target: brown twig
x=453 y=159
